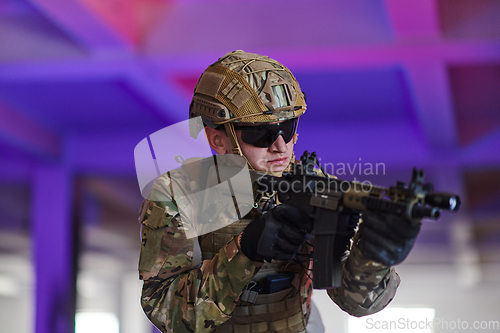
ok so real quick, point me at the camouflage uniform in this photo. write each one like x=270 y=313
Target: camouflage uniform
x=195 y=285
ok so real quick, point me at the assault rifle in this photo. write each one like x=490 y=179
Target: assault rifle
x=324 y=198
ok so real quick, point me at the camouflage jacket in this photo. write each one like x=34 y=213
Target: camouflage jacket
x=182 y=293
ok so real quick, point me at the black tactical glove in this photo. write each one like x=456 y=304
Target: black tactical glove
x=278 y=234
x=387 y=239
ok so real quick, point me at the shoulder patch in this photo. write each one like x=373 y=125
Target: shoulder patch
x=152 y=215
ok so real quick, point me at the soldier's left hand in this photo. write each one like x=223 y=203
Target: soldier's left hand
x=277 y=234
x=387 y=239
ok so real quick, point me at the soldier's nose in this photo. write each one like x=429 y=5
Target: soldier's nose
x=278 y=146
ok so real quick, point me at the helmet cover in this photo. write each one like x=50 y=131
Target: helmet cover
x=246 y=87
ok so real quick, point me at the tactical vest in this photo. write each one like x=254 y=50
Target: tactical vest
x=285 y=311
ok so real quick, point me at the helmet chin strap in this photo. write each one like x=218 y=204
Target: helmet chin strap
x=231 y=134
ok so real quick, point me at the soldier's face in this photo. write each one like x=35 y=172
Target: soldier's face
x=275 y=158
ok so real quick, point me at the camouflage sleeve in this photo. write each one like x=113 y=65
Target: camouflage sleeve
x=180 y=292
x=367 y=286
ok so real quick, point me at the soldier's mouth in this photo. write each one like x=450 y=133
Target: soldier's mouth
x=278 y=161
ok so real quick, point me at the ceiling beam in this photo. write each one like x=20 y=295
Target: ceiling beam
x=481 y=152
x=419 y=19
x=350 y=56
x=84 y=24
x=8 y=8
x=27 y=135
x=358 y=57
x=162 y=92
x=149 y=81
x=433 y=103
x=110 y=153
x=412 y=19
x=94 y=68
x=329 y=58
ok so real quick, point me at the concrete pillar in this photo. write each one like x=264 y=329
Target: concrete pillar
x=466 y=256
x=53 y=250
x=132 y=318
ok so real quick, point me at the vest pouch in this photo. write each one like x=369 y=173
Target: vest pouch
x=268 y=308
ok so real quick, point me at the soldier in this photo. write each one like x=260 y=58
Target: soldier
x=254 y=274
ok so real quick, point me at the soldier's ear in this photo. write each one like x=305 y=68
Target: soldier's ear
x=218 y=140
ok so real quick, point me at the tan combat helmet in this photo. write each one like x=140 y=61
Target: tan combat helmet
x=246 y=88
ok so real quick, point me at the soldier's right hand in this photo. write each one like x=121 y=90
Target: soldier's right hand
x=277 y=234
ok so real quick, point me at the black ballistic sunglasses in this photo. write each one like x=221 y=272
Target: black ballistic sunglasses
x=263 y=136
